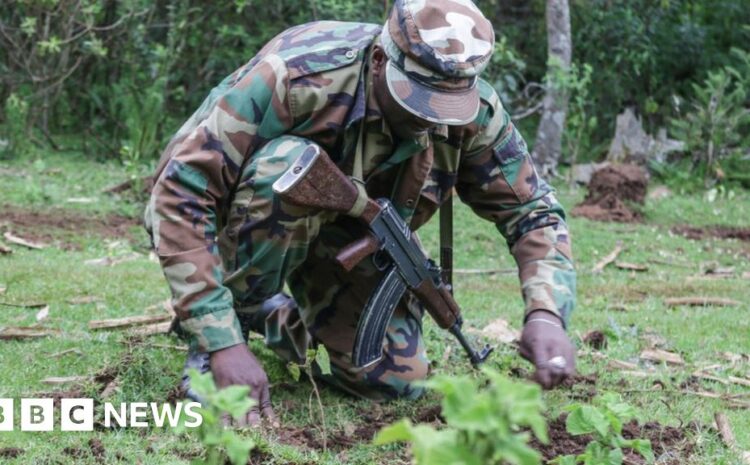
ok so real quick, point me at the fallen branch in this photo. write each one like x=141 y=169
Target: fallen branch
x=26 y=333
x=158 y=328
x=631 y=266
x=656 y=261
x=65 y=379
x=608 y=259
x=701 y=302
x=128 y=321
x=32 y=305
x=65 y=352
x=23 y=242
x=658 y=355
x=727 y=436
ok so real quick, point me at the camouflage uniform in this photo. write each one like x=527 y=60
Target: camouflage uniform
x=227 y=243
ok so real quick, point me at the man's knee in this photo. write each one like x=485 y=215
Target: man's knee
x=395 y=378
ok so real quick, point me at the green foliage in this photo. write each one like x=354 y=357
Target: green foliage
x=644 y=52
x=713 y=127
x=17 y=135
x=580 y=122
x=604 y=421
x=506 y=70
x=483 y=425
x=217 y=440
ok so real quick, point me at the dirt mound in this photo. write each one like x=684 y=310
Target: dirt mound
x=716 y=232
x=612 y=191
x=669 y=444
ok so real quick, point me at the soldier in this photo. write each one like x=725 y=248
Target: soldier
x=400 y=107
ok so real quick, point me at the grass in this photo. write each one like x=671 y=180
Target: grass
x=148 y=371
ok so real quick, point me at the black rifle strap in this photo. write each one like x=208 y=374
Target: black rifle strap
x=446 y=241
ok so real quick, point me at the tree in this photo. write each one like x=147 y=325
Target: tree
x=547 y=148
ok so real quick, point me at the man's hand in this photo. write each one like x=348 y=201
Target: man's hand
x=545 y=344
x=237 y=365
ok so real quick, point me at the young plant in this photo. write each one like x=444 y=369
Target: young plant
x=321 y=358
x=604 y=422
x=484 y=426
x=221 y=443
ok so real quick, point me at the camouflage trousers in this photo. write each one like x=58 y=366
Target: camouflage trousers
x=268 y=244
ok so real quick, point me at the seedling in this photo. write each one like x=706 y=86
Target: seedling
x=484 y=426
x=604 y=421
x=221 y=443
x=321 y=358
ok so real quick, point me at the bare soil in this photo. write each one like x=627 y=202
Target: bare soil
x=612 y=192
x=10 y=452
x=669 y=443
x=715 y=232
x=372 y=422
x=596 y=339
x=60 y=226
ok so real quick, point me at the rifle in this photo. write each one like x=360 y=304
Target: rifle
x=313 y=180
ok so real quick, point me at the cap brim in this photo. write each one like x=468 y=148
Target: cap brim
x=442 y=107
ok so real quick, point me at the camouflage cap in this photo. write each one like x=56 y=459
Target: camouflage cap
x=436 y=50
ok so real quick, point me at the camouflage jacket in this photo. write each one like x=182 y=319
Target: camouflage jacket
x=311 y=81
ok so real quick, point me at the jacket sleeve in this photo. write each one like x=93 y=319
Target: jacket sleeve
x=497 y=179
x=203 y=164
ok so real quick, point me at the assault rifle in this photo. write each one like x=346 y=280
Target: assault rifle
x=315 y=181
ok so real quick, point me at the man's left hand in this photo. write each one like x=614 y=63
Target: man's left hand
x=545 y=344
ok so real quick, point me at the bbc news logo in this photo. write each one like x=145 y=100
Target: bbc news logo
x=78 y=415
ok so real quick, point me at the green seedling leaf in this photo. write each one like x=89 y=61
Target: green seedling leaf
x=397 y=432
x=518 y=453
x=202 y=383
x=564 y=460
x=234 y=400
x=323 y=360
x=238 y=449
x=586 y=419
x=294 y=370
x=643 y=447
x=614 y=457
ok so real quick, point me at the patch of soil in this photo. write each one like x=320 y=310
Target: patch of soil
x=611 y=191
x=581 y=386
x=596 y=339
x=259 y=457
x=581 y=380
x=176 y=394
x=55 y=224
x=96 y=448
x=73 y=393
x=75 y=452
x=668 y=443
x=716 y=232
x=10 y=452
x=364 y=432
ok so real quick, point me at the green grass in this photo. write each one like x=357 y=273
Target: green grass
x=148 y=373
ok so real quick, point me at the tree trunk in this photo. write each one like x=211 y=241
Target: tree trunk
x=548 y=144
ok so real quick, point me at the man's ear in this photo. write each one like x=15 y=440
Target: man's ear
x=378 y=60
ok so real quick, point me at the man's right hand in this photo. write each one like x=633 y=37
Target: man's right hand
x=236 y=365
